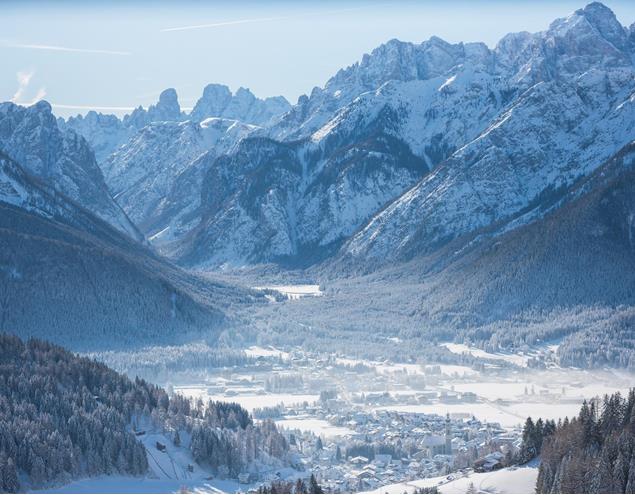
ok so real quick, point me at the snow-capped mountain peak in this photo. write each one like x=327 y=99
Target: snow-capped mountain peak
x=60 y=158
x=218 y=101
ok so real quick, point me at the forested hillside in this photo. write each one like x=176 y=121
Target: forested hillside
x=61 y=267
x=594 y=452
x=64 y=416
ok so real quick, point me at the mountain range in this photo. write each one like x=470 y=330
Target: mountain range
x=395 y=156
x=498 y=177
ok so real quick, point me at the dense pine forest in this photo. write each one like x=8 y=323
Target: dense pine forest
x=64 y=416
x=591 y=453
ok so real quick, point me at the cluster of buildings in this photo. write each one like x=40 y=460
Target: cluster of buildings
x=422 y=445
x=380 y=446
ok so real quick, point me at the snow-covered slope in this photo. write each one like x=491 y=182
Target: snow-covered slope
x=61 y=159
x=499 y=129
x=294 y=202
x=396 y=156
x=395 y=61
x=509 y=480
x=576 y=111
x=106 y=133
x=154 y=160
x=61 y=267
x=156 y=176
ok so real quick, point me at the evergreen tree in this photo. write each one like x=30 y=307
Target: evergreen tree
x=314 y=487
x=594 y=451
x=300 y=486
x=11 y=484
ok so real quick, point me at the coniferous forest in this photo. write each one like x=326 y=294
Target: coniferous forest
x=64 y=416
x=593 y=452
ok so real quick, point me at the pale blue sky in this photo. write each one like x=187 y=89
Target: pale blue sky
x=115 y=55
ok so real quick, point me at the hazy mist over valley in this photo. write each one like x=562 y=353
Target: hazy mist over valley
x=418 y=277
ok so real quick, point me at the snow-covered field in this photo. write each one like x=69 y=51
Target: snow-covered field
x=317 y=426
x=510 y=480
x=257 y=351
x=295 y=291
x=249 y=401
x=482 y=411
x=517 y=359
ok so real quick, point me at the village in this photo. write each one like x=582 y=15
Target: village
x=387 y=447
x=358 y=426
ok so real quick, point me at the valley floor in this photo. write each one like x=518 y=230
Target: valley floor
x=307 y=361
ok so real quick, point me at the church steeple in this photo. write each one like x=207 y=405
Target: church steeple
x=448 y=435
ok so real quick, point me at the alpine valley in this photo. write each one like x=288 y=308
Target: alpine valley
x=385 y=279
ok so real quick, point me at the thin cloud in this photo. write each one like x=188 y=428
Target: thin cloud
x=56 y=48
x=24 y=81
x=257 y=19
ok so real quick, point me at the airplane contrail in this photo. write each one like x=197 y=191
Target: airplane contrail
x=259 y=19
x=57 y=48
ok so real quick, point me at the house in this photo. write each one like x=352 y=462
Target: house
x=382 y=459
x=490 y=462
x=360 y=460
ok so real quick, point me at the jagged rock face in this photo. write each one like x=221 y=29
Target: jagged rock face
x=167 y=109
x=294 y=202
x=490 y=133
x=103 y=132
x=395 y=61
x=498 y=128
x=61 y=159
x=150 y=158
x=156 y=176
x=218 y=101
x=576 y=112
x=106 y=133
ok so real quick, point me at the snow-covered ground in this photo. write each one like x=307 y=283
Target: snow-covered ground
x=483 y=411
x=318 y=426
x=124 y=484
x=295 y=291
x=509 y=480
x=249 y=401
x=168 y=473
x=517 y=359
x=257 y=351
